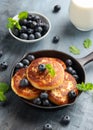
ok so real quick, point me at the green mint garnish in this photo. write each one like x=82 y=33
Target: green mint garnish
x=3 y=89
x=50 y=69
x=87 y=43
x=73 y=49
x=85 y=87
x=23 y=15
x=13 y=23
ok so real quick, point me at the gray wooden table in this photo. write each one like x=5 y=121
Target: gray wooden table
x=16 y=115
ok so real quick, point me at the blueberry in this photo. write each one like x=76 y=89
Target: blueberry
x=30 y=31
x=44 y=95
x=37 y=101
x=76 y=77
x=29 y=22
x=46 y=102
x=73 y=72
x=25 y=62
x=38 y=29
x=72 y=94
x=24 y=82
x=1 y=53
x=24 y=36
x=69 y=69
x=3 y=65
x=30 y=57
x=41 y=67
x=31 y=37
x=55 y=39
x=45 y=27
x=65 y=120
x=33 y=24
x=19 y=65
x=37 y=35
x=15 y=31
x=23 y=29
x=56 y=8
x=68 y=62
x=23 y=22
x=47 y=126
x=36 y=18
x=30 y=16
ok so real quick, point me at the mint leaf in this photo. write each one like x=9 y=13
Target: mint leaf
x=13 y=23
x=23 y=15
x=4 y=87
x=87 y=43
x=50 y=69
x=85 y=87
x=74 y=50
x=2 y=96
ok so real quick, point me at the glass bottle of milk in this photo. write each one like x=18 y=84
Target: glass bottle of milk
x=81 y=14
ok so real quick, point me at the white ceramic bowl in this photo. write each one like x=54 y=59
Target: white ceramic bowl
x=43 y=18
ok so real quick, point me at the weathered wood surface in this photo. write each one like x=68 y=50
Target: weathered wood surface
x=16 y=115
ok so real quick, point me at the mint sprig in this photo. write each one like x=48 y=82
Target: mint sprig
x=23 y=15
x=85 y=86
x=3 y=89
x=87 y=43
x=73 y=49
x=50 y=69
x=13 y=23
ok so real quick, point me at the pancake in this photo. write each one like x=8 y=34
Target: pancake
x=59 y=96
x=44 y=80
x=27 y=92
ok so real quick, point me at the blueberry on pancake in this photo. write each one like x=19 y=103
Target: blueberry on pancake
x=60 y=95
x=43 y=80
x=21 y=87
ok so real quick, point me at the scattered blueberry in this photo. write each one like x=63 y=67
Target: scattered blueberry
x=76 y=77
x=1 y=53
x=26 y=62
x=44 y=95
x=55 y=39
x=69 y=69
x=37 y=101
x=23 y=36
x=68 y=62
x=41 y=67
x=45 y=102
x=19 y=65
x=24 y=82
x=65 y=120
x=72 y=94
x=3 y=65
x=47 y=126
x=30 y=57
x=56 y=8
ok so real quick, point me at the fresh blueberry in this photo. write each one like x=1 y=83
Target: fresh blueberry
x=73 y=72
x=36 y=18
x=56 y=8
x=45 y=27
x=55 y=39
x=30 y=57
x=30 y=31
x=76 y=77
x=33 y=24
x=72 y=94
x=24 y=82
x=15 y=32
x=68 y=62
x=30 y=16
x=31 y=37
x=37 y=101
x=45 y=102
x=44 y=95
x=69 y=69
x=29 y=22
x=23 y=29
x=3 y=65
x=19 y=65
x=37 y=35
x=41 y=67
x=47 y=126
x=38 y=29
x=23 y=22
x=25 y=62
x=1 y=53
x=65 y=120
x=23 y=36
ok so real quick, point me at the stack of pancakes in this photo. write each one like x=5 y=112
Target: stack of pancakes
x=57 y=86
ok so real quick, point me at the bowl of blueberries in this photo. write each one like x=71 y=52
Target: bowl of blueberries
x=29 y=27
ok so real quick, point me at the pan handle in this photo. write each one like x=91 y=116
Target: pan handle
x=86 y=59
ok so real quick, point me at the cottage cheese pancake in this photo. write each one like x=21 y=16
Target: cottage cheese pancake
x=59 y=96
x=44 y=80
x=27 y=92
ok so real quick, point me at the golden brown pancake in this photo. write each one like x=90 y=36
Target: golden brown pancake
x=59 y=96
x=27 y=92
x=44 y=80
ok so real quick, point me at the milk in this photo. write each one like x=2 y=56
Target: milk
x=81 y=14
